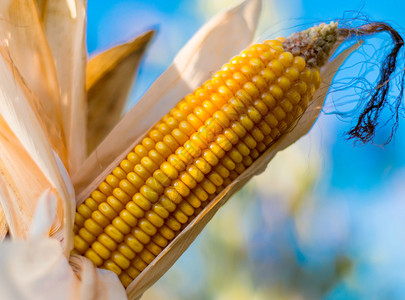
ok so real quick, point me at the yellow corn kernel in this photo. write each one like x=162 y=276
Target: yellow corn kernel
x=176 y=162
x=80 y=245
x=147 y=256
x=139 y=264
x=102 y=251
x=121 y=225
x=128 y=218
x=208 y=186
x=142 y=171
x=180 y=216
x=141 y=201
x=134 y=209
x=173 y=224
x=107 y=242
x=112 y=266
x=115 y=204
x=114 y=233
x=112 y=180
x=86 y=235
x=132 y=272
x=160 y=210
x=167 y=233
x=200 y=193
x=84 y=210
x=120 y=260
x=202 y=165
x=150 y=194
x=94 y=257
x=133 y=243
x=140 y=235
x=125 y=279
x=147 y=227
x=221 y=170
x=93 y=227
x=126 y=251
x=121 y=195
x=148 y=143
x=168 y=204
x=100 y=218
x=159 y=240
x=173 y=195
x=154 y=218
x=98 y=196
x=186 y=208
x=91 y=204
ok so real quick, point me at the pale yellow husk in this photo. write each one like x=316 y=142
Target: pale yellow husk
x=36 y=268
x=64 y=23
x=21 y=121
x=27 y=48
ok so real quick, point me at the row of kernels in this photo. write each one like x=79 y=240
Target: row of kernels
x=185 y=211
x=141 y=170
x=215 y=177
x=168 y=122
x=115 y=182
x=152 y=249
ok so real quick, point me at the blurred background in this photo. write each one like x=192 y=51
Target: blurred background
x=326 y=220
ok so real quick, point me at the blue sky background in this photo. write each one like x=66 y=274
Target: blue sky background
x=351 y=216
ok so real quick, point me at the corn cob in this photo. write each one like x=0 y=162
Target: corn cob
x=193 y=153
x=198 y=149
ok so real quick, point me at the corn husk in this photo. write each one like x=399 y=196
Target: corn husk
x=109 y=78
x=31 y=111
x=3 y=224
x=38 y=269
x=64 y=25
x=31 y=108
x=22 y=132
x=19 y=211
x=28 y=50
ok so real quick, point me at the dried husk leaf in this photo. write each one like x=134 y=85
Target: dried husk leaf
x=41 y=5
x=97 y=284
x=37 y=269
x=22 y=32
x=64 y=24
x=214 y=44
x=45 y=215
x=22 y=184
x=175 y=249
x=21 y=119
x=110 y=76
x=3 y=224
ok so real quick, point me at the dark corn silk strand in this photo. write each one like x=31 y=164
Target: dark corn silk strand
x=194 y=152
